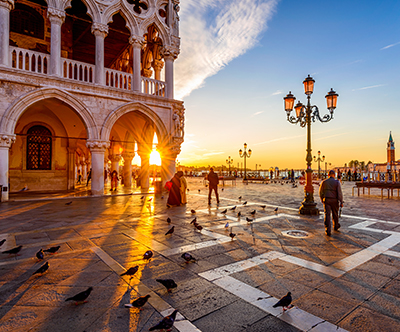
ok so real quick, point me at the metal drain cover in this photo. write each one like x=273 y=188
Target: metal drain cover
x=296 y=233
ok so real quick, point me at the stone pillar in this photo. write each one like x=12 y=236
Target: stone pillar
x=128 y=168
x=168 y=162
x=5 y=144
x=158 y=66
x=170 y=54
x=5 y=7
x=137 y=43
x=97 y=149
x=145 y=170
x=115 y=159
x=84 y=170
x=100 y=32
x=56 y=18
x=71 y=168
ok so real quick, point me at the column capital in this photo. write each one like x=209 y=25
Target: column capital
x=7 y=4
x=56 y=15
x=100 y=29
x=158 y=64
x=169 y=52
x=97 y=145
x=128 y=156
x=115 y=158
x=136 y=41
x=7 y=140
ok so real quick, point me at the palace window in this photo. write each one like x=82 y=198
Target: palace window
x=38 y=150
x=27 y=21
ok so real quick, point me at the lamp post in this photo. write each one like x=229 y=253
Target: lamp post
x=229 y=161
x=304 y=115
x=245 y=154
x=326 y=169
x=319 y=159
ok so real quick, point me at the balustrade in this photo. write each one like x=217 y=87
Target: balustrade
x=28 y=60
x=78 y=71
x=153 y=87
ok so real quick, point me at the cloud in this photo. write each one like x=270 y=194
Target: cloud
x=389 y=46
x=257 y=113
x=278 y=139
x=213 y=33
x=276 y=93
x=369 y=87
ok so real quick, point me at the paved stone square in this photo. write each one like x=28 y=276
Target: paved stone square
x=349 y=281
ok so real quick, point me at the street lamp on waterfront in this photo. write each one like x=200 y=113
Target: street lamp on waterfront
x=304 y=115
x=319 y=159
x=245 y=154
x=229 y=161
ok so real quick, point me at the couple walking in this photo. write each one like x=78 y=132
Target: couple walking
x=177 y=193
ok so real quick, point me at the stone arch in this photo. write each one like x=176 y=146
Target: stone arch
x=113 y=117
x=164 y=35
x=131 y=22
x=17 y=108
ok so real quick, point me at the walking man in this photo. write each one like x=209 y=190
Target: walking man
x=331 y=196
x=212 y=185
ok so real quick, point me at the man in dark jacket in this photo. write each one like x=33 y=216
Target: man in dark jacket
x=331 y=196
x=212 y=185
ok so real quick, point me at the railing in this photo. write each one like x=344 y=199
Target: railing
x=152 y=87
x=29 y=60
x=37 y=62
x=118 y=79
x=78 y=71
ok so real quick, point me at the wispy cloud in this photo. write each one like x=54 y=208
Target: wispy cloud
x=278 y=139
x=257 y=113
x=326 y=137
x=389 y=46
x=276 y=93
x=213 y=33
x=369 y=87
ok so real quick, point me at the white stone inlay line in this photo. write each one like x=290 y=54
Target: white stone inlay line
x=195 y=246
x=155 y=301
x=295 y=316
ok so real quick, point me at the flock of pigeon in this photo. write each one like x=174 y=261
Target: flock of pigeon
x=167 y=322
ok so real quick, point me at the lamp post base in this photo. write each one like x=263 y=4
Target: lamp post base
x=309 y=208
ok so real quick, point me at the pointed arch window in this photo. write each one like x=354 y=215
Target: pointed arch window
x=39 y=148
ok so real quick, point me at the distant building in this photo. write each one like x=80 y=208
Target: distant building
x=391 y=164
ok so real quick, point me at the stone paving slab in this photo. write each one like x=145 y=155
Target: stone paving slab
x=348 y=281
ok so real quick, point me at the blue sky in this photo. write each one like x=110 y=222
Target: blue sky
x=239 y=58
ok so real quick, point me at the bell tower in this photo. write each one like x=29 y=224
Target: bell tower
x=390 y=150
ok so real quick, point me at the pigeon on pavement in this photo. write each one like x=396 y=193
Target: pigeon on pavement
x=138 y=303
x=40 y=254
x=198 y=190
x=249 y=219
x=193 y=221
x=166 y=323
x=69 y=203
x=199 y=227
x=168 y=220
x=42 y=269
x=276 y=210
x=171 y=230
x=245 y=203
x=167 y=283
x=240 y=197
x=13 y=251
x=188 y=257
x=225 y=211
x=253 y=212
x=227 y=225
x=2 y=242
x=131 y=271
x=148 y=254
x=193 y=211
x=52 y=250
x=233 y=209
x=239 y=214
x=81 y=297
x=232 y=235
x=263 y=206
x=284 y=302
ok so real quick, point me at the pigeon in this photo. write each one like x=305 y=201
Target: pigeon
x=168 y=206
x=142 y=197
x=168 y=220
x=13 y=251
x=167 y=283
x=193 y=211
x=80 y=297
x=187 y=189
x=199 y=227
x=263 y=206
x=149 y=200
x=148 y=254
x=249 y=219
x=24 y=188
x=131 y=271
x=42 y=269
x=188 y=257
x=245 y=203
x=284 y=302
x=276 y=210
x=222 y=189
x=171 y=230
x=198 y=190
x=239 y=214
x=2 y=242
x=227 y=225
x=162 y=197
x=40 y=254
x=253 y=212
x=240 y=197
x=166 y=323
x=193 y=221
x=225 y=211
x=233 y=209
x=138 y=303
x=52 y=250
x=69 y=203
x=232 y=235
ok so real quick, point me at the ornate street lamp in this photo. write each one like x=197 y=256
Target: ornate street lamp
x=304 y=115
x=245 y=154
x=319 y=159
x=229 y=161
